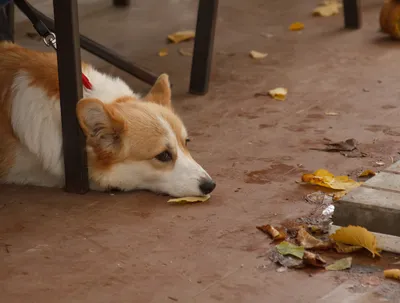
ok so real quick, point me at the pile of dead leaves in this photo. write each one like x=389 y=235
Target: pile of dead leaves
x=302 y=246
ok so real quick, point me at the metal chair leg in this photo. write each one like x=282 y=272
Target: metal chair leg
x=121 y=3
x=352 y=14
x=203 y=46
x=70 y=82
x=10 y=16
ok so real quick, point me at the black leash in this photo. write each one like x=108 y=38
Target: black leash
x=49 y=38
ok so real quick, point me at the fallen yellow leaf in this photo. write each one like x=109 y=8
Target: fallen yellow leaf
x=257 y=55
x=278 y=93
x=181 y=36
x=331 y=114
x=392 y=273
x=358 y=236
x=297 y=26
x=367 y=173
x=189 y=199
x=163 y=52
x=186 y=52
x=324 y=178
x=341 y=264
x=346 y=249
x=328 y=8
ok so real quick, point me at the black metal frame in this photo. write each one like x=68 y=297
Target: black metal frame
x=352 y=14
x=203 y=46
x=10 y=17
x=70 y=82
x=69 y=41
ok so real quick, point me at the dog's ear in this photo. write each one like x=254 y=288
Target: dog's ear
x=101 y=124
x=160 y=93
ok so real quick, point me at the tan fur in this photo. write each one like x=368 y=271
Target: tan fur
x=124 y=134
x=41 y=66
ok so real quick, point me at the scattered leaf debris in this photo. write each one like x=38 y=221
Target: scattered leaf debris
x=278 y=93
x=380 y=163
x=356 y=235
x=327 y=8
x=313 y=259
x=341 y=264
x=348 y=145
x=346 y=249
x=257 y=55
x=181 y=36
x=367 y=173
x=285 y=261
x=163 y=52
x=324 y=178
x=286 y=248
x=184 y=200
x=392 y=273
x=274 y=233
x=309 y=242
x=347 y=148
x=296 y=26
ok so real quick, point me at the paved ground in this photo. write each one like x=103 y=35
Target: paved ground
x=133 y=247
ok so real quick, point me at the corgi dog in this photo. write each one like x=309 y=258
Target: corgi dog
x=132 y=142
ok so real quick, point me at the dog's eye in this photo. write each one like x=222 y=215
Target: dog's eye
x=165 y=156
x=187 y=141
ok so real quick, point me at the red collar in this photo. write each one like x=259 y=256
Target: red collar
x=85 y=81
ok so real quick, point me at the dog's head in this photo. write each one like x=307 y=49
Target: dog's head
x=141 y=144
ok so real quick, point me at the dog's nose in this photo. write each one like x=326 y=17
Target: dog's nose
x=207 y=186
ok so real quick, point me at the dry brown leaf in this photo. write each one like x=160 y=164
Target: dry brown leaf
x=163 y=52
x=257 y=55
x=392 y=273
x=358 y=236
x=181 y=36
x=341 y=264
x=328 y=8
x=367 y=173
x=186 y=52
x=297 y=26
x=324 y=178
x=274 y=233
x=303 y=238
x=348 y=145
x=184 y=200
x=346 y=249
x=278 y=93
x=313 y=259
